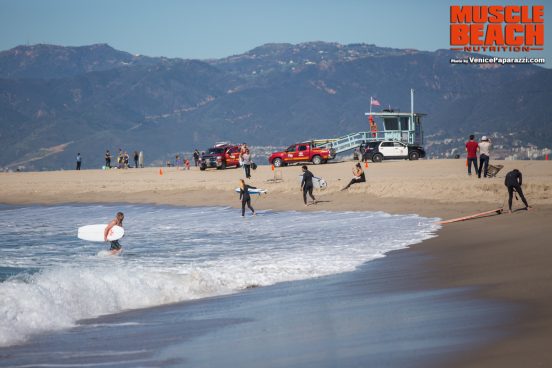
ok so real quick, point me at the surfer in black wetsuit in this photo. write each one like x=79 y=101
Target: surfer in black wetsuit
x=513 y=182
x=359 y=176
x=118 y=220
x=306 y=185
x=245 y=197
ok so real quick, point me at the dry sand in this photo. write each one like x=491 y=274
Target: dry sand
x=507 y=257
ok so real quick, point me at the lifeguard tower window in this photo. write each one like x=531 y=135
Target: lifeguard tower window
x=391 y=123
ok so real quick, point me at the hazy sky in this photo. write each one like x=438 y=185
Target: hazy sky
x=212 y=29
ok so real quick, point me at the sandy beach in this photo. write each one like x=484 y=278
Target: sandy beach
x=504 y=258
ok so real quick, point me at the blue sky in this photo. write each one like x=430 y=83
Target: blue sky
x=213 y=29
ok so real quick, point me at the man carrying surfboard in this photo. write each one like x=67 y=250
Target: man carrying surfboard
x=245 y=197
x=307 y=185
x=118 y=220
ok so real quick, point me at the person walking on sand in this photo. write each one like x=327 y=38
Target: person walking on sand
x=245 y=197
x=243 y=149
x=471 y=148
x=246 y=162
x=136 y=157
x=118 y=220
x=126 y=157
x=484 y=155
x=358 y=176
x=108 y=159
x=513 y=181
x=79 y=161
x=306 y=185
x=120 y=159
x=196 y=157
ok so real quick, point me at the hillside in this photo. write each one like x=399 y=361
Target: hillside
x=56 y=101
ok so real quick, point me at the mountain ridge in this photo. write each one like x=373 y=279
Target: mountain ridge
x=96 y=98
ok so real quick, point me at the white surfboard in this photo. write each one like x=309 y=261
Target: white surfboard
x=95 y=233
x=317 y=182
x=254 y=191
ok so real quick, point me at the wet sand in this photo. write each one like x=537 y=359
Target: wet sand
x=502 y=258
x=372 y=317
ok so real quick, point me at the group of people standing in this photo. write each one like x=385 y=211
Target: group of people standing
x=484 y=150
x=184 y=162
x=123 y=159
x=513 y=179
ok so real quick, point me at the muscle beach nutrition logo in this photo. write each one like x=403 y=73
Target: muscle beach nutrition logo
x=512 y=28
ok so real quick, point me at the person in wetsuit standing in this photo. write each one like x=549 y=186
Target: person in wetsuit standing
x=245 y=197
x=306 y=184
x=513 y=182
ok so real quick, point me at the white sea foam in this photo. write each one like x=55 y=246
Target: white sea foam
x=174 y=254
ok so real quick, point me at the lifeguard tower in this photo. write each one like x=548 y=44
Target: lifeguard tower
x=405 y=127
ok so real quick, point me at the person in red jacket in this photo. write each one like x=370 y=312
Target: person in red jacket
x=472 y=147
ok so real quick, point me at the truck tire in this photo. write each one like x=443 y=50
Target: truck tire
x=414 y=155
x=278 y=162
x=317 y=160
x=377 y=157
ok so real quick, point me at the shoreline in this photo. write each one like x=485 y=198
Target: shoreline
x=301 y=317
x=504 y=258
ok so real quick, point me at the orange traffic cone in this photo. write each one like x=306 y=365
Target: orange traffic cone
x=546 y=157
x=272 y=167
x=366 y=164
x=160 y=171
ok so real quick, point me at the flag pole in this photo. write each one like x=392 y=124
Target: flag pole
x=370 y=105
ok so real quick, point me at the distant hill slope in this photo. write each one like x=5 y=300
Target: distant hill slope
x=50 y=61
x=57 y=101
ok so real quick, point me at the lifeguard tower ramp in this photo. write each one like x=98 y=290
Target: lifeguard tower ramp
x=405 y=127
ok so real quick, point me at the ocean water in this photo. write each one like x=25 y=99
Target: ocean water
x=50 y=280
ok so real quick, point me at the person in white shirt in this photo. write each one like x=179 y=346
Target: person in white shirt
x=484 y=155
x=246 y=162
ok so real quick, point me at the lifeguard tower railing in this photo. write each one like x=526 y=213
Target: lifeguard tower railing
x=403 y=127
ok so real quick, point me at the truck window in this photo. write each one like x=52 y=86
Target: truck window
x=303 y=148
x=387 y=144
x=404 y=122
x=399 y=144
x=215 y=151
x=291 y=149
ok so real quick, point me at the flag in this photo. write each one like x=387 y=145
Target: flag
x=374 y=102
